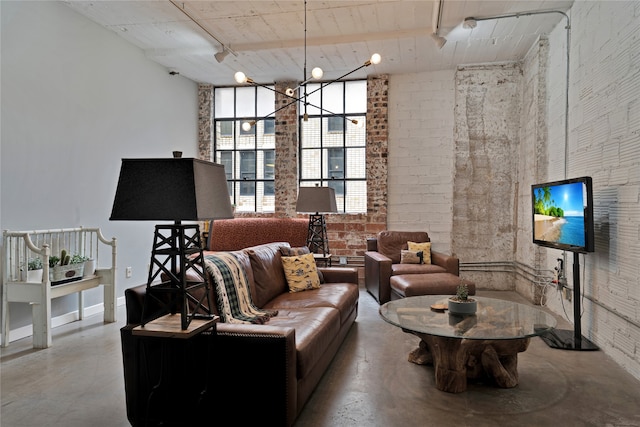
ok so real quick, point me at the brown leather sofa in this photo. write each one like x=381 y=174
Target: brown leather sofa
x=253 y=373
x=382 y=260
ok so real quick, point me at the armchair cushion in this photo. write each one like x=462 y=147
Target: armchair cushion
x=425 y=247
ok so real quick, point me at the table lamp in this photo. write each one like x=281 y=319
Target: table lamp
x=175 y=189
x=317 y=200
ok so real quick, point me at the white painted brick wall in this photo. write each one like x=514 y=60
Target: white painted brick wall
x=421 y=154
x=604 y=143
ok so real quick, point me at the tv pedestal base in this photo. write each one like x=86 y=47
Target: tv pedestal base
x=562 y=338
x=565 y=340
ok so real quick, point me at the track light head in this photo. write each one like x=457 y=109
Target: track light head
x=440 y=41
x=469 y=23
x=219 y=56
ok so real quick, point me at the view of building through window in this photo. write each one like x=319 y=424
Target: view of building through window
x=332 y=147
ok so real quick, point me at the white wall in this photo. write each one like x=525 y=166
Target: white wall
x=604 y=143
x=421 y=155
x=76 y=99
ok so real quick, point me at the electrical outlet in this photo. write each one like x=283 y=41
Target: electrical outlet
x=566 y=293
x=343 y=260
x=128 y=272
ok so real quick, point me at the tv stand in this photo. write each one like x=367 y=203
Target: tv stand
x=565 y=339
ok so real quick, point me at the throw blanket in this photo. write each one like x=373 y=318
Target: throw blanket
x=232 y=290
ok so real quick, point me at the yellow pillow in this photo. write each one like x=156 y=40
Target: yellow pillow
x=425 y=247
x=301 y=272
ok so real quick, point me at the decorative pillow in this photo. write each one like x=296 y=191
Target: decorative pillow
x=301 y=272
x=410 y=257
x=287 y=251
x=302 y=250
x=425 y=247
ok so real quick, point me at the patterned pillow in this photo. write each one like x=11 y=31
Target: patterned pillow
x=301 y=272
x=425 y=247
x=410 y=257
x=287 y=251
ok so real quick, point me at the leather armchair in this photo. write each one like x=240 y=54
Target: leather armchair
x=382 y=260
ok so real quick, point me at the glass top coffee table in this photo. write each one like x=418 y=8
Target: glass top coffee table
x=483 y=345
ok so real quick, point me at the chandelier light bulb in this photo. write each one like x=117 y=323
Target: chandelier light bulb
x=317 y=73
x=376 y=58
x=240 y=77
x=289 y=92
x=246 y=126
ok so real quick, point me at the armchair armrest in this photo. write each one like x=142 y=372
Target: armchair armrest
x=339 y=274
x=449 y=262
x=377 y=273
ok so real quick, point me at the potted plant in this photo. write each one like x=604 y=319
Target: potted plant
x=461 y=303
x=34 y=270
x=66 y=267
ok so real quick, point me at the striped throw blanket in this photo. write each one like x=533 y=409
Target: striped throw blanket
x=233 y=296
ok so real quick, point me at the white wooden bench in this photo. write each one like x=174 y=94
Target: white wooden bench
x=21 y=246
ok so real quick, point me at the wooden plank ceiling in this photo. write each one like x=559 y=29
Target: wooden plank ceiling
x=267 y=38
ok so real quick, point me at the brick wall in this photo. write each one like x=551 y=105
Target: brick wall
x=604 y=143
x=487 y=122
x=421 y=155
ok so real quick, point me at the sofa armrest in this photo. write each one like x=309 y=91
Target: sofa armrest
x=339 y=274
x=449 y=262
x=377 y=273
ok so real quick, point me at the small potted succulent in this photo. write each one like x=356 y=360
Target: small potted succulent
x=461 y=303
x=34 y=270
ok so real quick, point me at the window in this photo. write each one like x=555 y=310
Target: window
x=332 y=146
x=269 y=126
x=248 y=156
x=269 y=172
x=335 y=124
x=226 y=128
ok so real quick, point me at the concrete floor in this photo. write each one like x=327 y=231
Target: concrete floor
x=79 y=382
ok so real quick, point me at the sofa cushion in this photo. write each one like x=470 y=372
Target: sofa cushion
x=411 y=257
x=424 y=247
x=390 y=243
x=301 y=272
x=268 y=274
x=316 y=328
x=342 y=296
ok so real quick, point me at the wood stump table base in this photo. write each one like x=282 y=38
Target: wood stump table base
x=455 y=360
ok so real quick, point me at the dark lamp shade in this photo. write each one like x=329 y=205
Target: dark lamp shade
x=316 y=199
x=171 y=189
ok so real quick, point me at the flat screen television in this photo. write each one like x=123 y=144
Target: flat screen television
x=562 y=213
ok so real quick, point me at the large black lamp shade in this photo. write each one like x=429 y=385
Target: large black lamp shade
x=171 y=189
x=174 y=189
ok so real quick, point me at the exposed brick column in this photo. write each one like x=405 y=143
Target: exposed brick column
x=205 y=122
x=286 y=168
x=377 y=149
x=348 y=232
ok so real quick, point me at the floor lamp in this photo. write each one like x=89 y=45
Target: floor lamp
x=179 y=190
x=317 y=200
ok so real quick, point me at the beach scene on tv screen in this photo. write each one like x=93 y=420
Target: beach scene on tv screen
x=559 y=214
